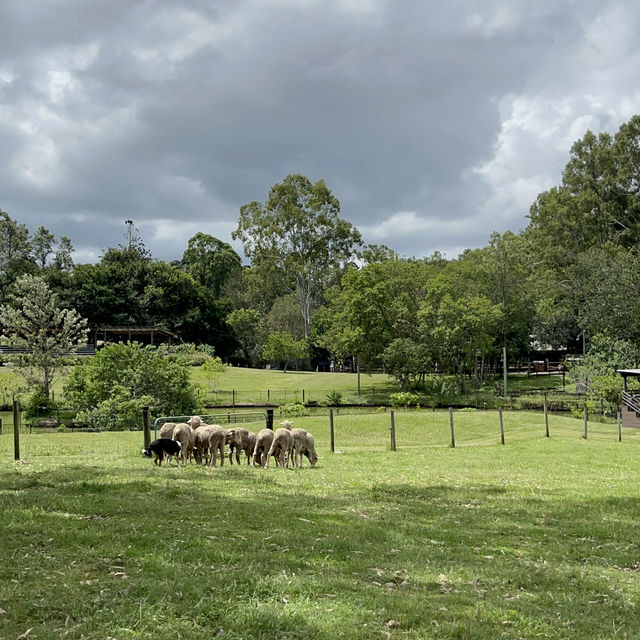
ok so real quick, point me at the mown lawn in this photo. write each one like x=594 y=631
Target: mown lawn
x=261 y=385
x=535 y=539
x=256 y=386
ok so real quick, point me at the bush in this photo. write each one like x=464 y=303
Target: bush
x=404 y=399
x=189 y=354
x=111 y=388
x=61 y=428
x=38 y=405
x=536 y=403
x=439 y=389
x=120 y=412
x=293 y=409
x=334 y=398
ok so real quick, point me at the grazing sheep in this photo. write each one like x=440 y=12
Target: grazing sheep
x=209 y=440
x=281 y=447
x=240 y=439
x=166 y=430
x=262 y=446
x=303 y=443
x=184 y=434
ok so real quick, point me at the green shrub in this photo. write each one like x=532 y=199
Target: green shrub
x=112 y=387
x=293 y=409
x=576 y=412
x=38 y=405
x=439 y=388
x=61 y=428
x=120 y=412
x=334 y=398
x=404 y=399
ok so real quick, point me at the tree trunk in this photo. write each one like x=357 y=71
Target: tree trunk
x=463 y=382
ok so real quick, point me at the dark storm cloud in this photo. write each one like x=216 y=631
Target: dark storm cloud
x=433 y=123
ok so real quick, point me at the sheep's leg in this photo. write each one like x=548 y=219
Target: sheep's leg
x=221 y=445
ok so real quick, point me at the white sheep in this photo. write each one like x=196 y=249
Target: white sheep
x=209 y=440
x=166 y=430
x=303 y=444
x=281 y=448
x=185 y=435
x=240 y=439
x=262 y=446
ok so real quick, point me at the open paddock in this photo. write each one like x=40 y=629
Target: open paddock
x=534 y=539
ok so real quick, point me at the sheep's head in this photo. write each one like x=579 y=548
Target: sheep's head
x=195 y=421
x=312 y=456
x=233 y=435
x=286 y=424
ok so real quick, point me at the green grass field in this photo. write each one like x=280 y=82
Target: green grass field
x=535 y=539
x=262 y=385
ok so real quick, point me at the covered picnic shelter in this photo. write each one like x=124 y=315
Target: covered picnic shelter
x=105 y=334
x=630 y=399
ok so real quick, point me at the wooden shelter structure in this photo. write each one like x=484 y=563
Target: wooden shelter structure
x=105 y=334
x=630 y=400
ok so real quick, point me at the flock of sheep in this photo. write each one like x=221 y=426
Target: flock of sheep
x=203 y=442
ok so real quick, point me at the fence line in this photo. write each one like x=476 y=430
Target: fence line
x=410 y=429
x=403 y=430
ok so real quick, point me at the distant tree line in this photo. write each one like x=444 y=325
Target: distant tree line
x=313 y=293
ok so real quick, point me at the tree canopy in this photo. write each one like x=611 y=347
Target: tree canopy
x=35 y=324
x=298 y=238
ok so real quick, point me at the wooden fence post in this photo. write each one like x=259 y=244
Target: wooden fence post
x=393 y=432
x=586 y=420
x=146 y=426
x=270 y=419
x=331 y=433
x=501 y=425
x=453 y=439
x=619 y=428
x=16 y=430
x=546 y=417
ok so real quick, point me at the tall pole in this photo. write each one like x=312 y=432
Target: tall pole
x=453 y=437
x=331 y=433
x=504 y=370
x=393 y=432
x=146 y=427
x=358 y=370
x=16 y=430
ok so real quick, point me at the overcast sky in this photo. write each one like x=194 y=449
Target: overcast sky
x=434 y=123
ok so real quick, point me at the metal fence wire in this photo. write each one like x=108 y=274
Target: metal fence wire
x=253 y=418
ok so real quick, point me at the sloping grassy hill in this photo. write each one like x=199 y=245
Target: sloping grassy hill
x=253 y=385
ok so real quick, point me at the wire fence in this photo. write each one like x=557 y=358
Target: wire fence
x=275 y=397
x=412 y=430
x=257 y=419
x=351 y=430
